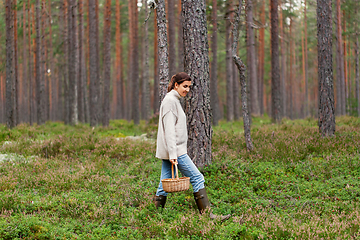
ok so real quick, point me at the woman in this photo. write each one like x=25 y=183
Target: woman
x=172 y=143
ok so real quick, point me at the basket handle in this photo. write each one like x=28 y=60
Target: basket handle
x=172 y=171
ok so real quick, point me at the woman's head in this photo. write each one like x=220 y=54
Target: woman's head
x=180 y=82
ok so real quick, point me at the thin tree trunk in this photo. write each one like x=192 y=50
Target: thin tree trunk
x=242 y=68
x=44 y=53
x=214 y=98
x=346 y=80
x=10 y=76
x=52 y=88
x=135 y=71
x=197 y=103
x=252 y=62
x=357 y=74
x=145 y=105
x=340 y=63
x=24 y=82
x=172 y=39
x=261 y=59
x=326 y=91
x=275 y=69
x=180 y=56
x=107 y=63
x=156 y=96
x=306 y=100
x=81 y=84
x=16 y=71
x=118 y=95
x=93 y=69
x=229 y=63
x=283 y=64
x=40 y=86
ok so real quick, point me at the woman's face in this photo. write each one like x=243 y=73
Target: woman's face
x=183 y=88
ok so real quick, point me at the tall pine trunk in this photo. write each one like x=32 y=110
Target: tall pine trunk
x=25 y=79
x=252 y=61
x=156 y=95
x=229 y=63
x=325 y=72
x=341 y=98
x=197 y=103
x=145 y=99
x=119 y=107
x=180 y=56
x=357 y=74
x=213 y=76
x=275 y=69
x=306 y=100
x=82 y=76
x=10 y=76
x=40 y=86
x=93 y=68
x=171 y=35
x=107 y=63
x=261 y=59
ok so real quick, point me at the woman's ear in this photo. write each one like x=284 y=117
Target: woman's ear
x=176 y=85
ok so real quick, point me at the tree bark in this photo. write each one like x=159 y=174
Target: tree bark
x=275 y=69
x=145 y=104
x=180 y=56
x=172 y=39
x=252 y=62
x=229 y=63
x=135 y=64
x=214 y=98
x=156 y=95
x=357 y=74
x=197 y=103
x=242 y=68
x=107 y=63
x=81 y=84
x=325 y=72
x=73 y=62
x=261 y=59
x=40 y=86
x=118 y=95
x=163 y=55
x=10 y=76
x=93 y=69
x=341 y=98
x=306 y=102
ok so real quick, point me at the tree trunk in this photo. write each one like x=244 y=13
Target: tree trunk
x=229 y=64
x=40 y=87
x=261 y=59
x=81 y=84
x=118 y=94
x=172 y=39
x=162 y=49
x=135 y=66
x=197 y=103
x=252 y=62
x=73 y=62
x=180 y=57
x=10 y=76
x=107 y=63
x=357 y=74
x=242 y=68
x=306 y=102
x=214 y=99
x=156 y=95
x=283 y=64
x=326 y=91
x=275 y=70
x=24 y=82
x=145 y=104
x=340 y=63
x=93 y=69
x=346 y=80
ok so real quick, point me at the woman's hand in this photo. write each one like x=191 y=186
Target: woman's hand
x=174 y=161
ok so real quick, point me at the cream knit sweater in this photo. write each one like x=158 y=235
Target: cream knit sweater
x=172 y=132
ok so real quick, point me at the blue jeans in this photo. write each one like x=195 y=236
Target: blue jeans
x=187 y=168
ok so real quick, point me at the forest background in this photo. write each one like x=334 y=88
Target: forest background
x=127 y=65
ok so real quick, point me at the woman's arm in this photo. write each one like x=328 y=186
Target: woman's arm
x=169 y=121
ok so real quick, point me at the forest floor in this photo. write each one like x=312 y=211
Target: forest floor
x=63 y=182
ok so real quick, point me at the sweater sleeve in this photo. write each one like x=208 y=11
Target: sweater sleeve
x=169 y=121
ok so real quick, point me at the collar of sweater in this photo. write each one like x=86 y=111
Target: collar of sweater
x=175 y=93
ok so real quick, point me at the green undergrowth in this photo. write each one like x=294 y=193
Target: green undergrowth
x=78 y=182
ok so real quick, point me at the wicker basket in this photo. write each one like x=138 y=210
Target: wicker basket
x=175 y=184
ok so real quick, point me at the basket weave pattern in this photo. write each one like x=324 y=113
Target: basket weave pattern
x=175 y=184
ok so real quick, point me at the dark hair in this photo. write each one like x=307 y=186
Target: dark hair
x=178 y=78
